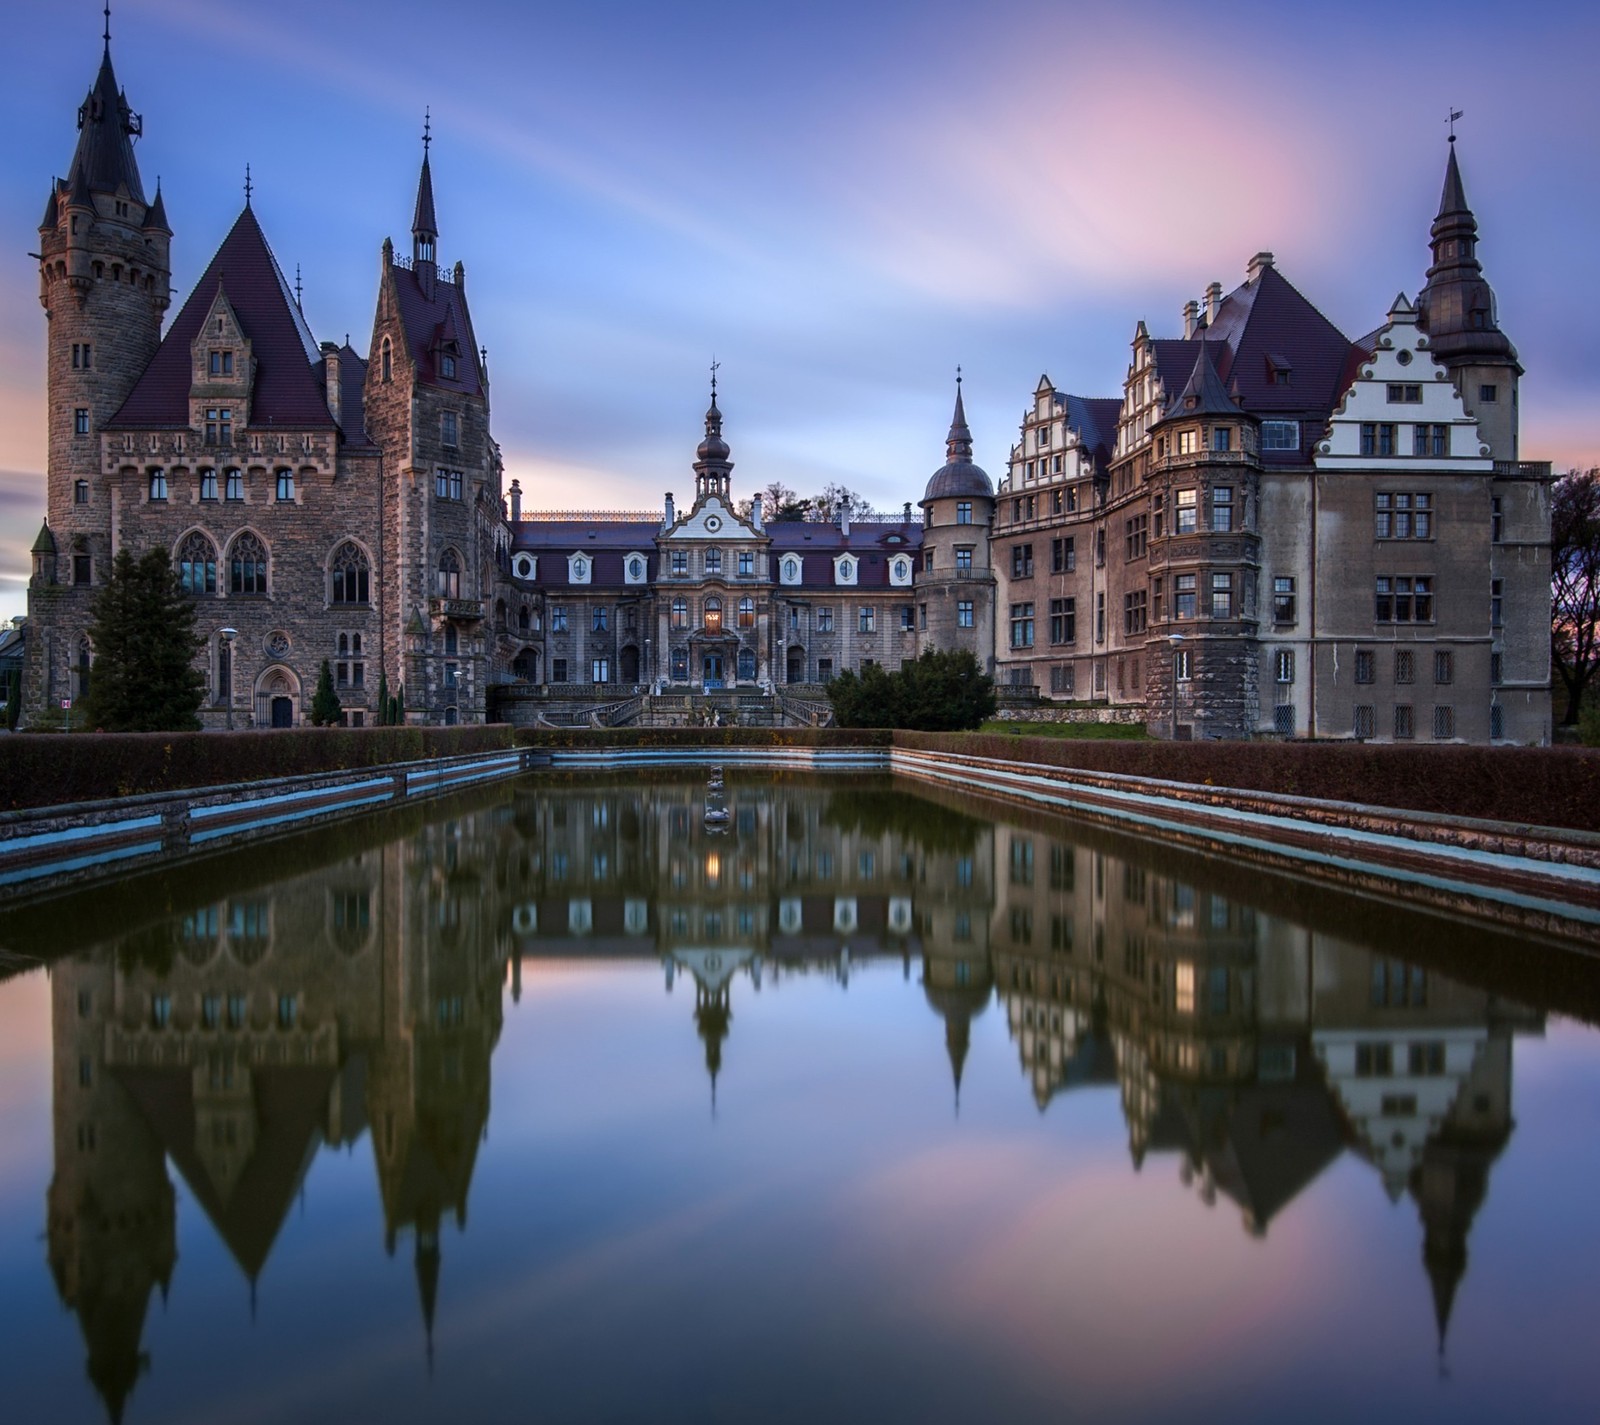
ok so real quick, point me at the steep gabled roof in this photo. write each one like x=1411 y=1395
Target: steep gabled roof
x=1095 y=420
x=287 y=391
x=430 y=320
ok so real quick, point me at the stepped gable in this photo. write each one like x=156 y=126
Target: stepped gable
x=287 y=391
x=431 y=321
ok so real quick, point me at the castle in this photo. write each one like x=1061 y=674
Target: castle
x=1274 y=531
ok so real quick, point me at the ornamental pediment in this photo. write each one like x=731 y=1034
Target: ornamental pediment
x=712 y=518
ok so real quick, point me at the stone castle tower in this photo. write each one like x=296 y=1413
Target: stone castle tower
x=104 y=283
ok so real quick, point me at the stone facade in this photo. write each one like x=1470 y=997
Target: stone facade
x=314 y=508
x=1278 y=531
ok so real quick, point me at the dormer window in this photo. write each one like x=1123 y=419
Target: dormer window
x=222 y=363
x=447 y=366
x=1279 y=369
x=578 y=569
x=789 y=570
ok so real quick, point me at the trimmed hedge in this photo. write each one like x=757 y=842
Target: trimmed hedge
x=587 y=737
x=1542 y=786
x=81 y=767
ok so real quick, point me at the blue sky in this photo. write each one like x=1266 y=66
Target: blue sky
x=839 y=201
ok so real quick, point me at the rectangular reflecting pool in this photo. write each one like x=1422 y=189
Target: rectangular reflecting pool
x=561 y=1101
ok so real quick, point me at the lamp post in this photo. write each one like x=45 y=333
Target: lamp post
x=1174 y=640
x=228 y=636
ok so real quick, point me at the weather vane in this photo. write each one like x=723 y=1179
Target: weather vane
x=1454 y=115
x=427 y=127
x=108 y=24
x=249 y=187
x=298 y=292
x=715 y=365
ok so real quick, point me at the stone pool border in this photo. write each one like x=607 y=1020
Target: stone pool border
x=1544 y=880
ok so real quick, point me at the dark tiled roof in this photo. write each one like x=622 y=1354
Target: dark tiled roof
x=1203 y=394
x=105 y=139
x=1095 y=420
x=606 y=544
x=156 y=217
x=958 y=475
x=352 y=396
x=819 y=544
x=287 y=389
x=430 y=322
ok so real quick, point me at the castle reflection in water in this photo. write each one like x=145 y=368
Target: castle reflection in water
x=365 y=998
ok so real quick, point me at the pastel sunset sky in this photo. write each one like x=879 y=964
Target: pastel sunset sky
x=840 y=201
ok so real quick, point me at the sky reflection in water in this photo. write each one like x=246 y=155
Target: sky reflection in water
x=869 y=1108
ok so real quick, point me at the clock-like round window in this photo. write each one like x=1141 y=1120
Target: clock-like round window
x=713 y=523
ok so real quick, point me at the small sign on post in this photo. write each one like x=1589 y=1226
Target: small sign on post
x=65 y=704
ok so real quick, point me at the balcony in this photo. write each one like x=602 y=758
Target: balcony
x=462 y=610
x=1522 y=469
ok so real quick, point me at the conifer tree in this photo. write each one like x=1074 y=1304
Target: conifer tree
x=383 y=699
x=325 y=704
x=145 y=643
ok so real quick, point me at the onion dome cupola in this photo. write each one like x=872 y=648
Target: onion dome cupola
x=958 y=477
x=713 y=469
x=1456 y=306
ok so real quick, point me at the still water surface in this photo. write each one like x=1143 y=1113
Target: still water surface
x=554 y=1103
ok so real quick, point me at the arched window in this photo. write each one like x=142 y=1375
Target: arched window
x=197 y=564
x=247 y=565
x=350 y=574
x=344 y=645
x=158 y=484
x=747 y=613
x=449 y=575
x=680 y=613
x=522 y=618
x=713 y=615
x=388 y=360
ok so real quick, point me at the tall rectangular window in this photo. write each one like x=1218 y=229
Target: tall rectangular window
x=233 y=485
x=80 y=421
x=448 y=429
x=963 y=559
x=1365 y=722
x=1022 y=561
x=1222 y=596
x=1063 y=620
x=1444 y=722
x=1284 y=665
x=866 y=619
x=208 y=485
x=1222 y=509
x=1496 y=602
x=219 y=425
x=1183 y=596
x=1022 y=625
x=1497 y=521
x=1187 y=511
x=1283 y=602
x=964 y=613
x=1135 y=612
x=747 y=563
x=1137 y=534
x=80 y=492
x=1404 y=725
x=285 y=485
x=963 y=511
x=1444 y=666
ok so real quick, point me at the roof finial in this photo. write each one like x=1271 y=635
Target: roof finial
x=108 y=26
x=715 y=364
x=1454 y=115
x=248 y=185
x=427 y=129
x=297 y=294
x=958 y=375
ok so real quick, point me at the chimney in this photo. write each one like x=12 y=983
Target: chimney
x=755 y=511
x=1213 y=301
x=516 y=502
x=671 y=517
x=1258 y=264
x=905 y=513
x=844 y=518
x=335 y=392
x=1191 y=318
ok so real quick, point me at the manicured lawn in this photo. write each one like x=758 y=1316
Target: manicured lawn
x=1091 y=731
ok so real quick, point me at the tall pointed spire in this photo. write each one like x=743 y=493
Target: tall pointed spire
x=958 y=444
x=712 y=467
x=424 y=225
x=107 y=127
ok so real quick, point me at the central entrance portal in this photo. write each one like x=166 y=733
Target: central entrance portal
x=712 y=672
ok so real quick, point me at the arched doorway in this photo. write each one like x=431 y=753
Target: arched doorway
x=628 y=660
x=277 y=697
x=795 y=665
x=525 y=666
